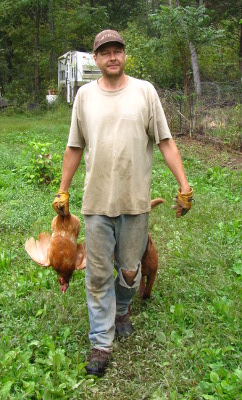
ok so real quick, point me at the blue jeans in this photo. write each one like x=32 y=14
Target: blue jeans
x=117 y=242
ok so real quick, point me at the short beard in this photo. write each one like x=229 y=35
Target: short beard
x=114 y=75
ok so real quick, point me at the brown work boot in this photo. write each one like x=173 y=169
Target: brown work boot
x=98 y=362
x=124 y=327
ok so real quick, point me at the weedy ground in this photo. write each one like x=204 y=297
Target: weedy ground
x=187 y=340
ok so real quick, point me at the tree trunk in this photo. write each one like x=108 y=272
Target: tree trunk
x=240 y=51
x=66 y=41
x=177 y=3
x=52 y=35
x=37 y=48
x=195 y=69
x=153 y=6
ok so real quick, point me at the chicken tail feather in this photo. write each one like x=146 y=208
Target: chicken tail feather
x=38 y=250
x=157 y=201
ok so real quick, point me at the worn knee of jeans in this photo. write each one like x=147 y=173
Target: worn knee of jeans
x=97 y=282
x=136 y=279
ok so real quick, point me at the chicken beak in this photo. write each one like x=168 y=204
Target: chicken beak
x=64 y=287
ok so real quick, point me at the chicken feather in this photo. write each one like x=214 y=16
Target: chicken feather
x=59 y=250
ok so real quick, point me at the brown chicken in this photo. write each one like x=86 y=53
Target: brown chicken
x=149 y=262
x=149 y=266
x=59 y=250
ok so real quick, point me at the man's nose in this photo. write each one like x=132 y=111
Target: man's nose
x=113 y=56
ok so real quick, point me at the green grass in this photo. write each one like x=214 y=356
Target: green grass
x=187 y=341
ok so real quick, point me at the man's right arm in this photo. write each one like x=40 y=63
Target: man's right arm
x=72 y=159
x=71 y=162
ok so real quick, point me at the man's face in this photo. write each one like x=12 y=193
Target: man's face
x=111 y=58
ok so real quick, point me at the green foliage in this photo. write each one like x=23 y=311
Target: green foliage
x=29 y=54
x=42 y=371
x=180 y=27
x=149 y=58
x=186 y=343
x=140 y=53
x=189 y=23
x=121 y=13
x=220 y=52
x=5 y=260
x=35 y=33
x=78 y=24
x=221 y=384
x=42 y=166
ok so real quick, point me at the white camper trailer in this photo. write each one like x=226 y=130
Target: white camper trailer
x=74 y=70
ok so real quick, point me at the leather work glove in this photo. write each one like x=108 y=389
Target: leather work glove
x=61 y=203
x=184 y=202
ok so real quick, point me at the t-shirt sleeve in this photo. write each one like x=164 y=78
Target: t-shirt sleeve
x=158 y=125
x=76 y=138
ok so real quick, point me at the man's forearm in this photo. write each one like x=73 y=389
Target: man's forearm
x=174 y=162
x=72 y=159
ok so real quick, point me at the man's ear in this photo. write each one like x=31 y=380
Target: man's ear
x=95 y=58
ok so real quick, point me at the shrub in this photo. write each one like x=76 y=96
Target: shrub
x=42 y=166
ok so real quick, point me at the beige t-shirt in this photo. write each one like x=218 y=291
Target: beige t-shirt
x=117 y=130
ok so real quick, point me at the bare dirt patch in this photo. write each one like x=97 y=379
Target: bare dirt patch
x=212 y=153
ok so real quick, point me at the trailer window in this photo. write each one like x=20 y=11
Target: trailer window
x=62 y=75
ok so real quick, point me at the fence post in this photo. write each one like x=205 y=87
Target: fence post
x=194 y=99
x=180 y=114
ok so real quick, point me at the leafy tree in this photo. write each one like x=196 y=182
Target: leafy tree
x=228 y=15
x=80 y=26
x=161 y=37
x=139 y=52
x=191 y=27
x=120 y=13
x=152 y=59
x=34 y=33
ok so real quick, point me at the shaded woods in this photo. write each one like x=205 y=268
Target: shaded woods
x=174 y=44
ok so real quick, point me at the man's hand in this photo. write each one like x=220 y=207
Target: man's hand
x=61 y=203
x=184 y=202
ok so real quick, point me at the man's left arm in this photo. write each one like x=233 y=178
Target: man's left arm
x=173 y=160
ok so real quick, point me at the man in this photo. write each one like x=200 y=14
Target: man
x=116 y=119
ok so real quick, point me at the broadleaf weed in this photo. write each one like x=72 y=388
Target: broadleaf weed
x=186 y=343
x=43 y=167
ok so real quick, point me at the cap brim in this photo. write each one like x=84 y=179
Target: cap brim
x=109 y=41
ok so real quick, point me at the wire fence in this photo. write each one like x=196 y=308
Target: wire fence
x=216 y=112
